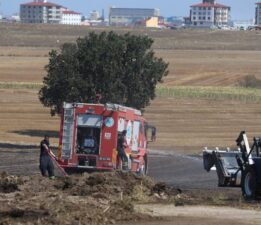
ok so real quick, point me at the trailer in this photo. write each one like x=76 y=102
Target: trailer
x=89 y=135
x=237 y=168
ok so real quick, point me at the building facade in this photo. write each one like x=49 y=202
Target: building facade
x=208 y=14
x=71 y=18
x=41 y=11
x=130 y=16
x=258 y=13
x=94 y=15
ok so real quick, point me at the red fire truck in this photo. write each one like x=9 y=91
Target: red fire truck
x=89 y=134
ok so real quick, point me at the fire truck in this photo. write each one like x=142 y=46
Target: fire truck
x=89 y=135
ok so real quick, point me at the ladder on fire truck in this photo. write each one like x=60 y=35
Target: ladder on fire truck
x=67 y=140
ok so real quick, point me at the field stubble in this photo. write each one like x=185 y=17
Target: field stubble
x=183 y=124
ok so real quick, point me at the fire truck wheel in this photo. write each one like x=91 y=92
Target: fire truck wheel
x=249 y=183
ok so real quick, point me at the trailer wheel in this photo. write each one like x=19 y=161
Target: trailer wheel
x=249 y=183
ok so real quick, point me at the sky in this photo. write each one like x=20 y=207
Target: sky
x=240 y=9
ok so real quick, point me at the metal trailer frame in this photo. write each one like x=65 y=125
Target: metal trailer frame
x=237 y=168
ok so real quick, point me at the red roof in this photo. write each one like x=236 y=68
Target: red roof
x=50 y=4
x=71 y=12
x=210 y=5
x=258 y=3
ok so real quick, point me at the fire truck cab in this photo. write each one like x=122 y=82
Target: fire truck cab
x=89 y=135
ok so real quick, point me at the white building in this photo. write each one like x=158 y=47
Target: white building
x=71 y=18
x=258 y=13
x=209 y=13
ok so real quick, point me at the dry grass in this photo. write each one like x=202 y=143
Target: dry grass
x=23 y=119
x=190 y=67
x=183 y=124
x=191 y=124
x=210 y=67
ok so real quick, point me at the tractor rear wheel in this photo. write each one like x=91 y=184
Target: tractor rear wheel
x=249 y=183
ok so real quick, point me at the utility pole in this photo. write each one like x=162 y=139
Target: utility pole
x=1 y=11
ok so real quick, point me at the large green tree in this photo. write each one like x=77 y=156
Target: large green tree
x=122 y=68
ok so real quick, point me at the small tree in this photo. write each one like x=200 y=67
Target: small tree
x=122 y=68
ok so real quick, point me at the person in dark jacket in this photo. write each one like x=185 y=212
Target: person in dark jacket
x=122 y=144
x=46 y=163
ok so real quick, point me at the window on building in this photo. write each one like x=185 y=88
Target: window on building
x=209 y=18
x=209 y=8
x=204 y=18
x=201 y=23
x=199 y=8
x=204 y=8
x=194 y=18
x=199 y=17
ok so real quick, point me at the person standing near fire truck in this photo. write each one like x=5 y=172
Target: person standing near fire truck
x=46 y=163
x=121 y=146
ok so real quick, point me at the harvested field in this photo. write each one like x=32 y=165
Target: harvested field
x=190 y=67
x=183 y=124
x=196 y=57
x=37 y=35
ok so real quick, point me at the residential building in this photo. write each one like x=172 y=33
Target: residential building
x=209 y=13
x=258 y=13
x=41 y=11
x=130 y=16
x=71 y=18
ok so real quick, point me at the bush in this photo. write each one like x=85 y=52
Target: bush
x=250 y=81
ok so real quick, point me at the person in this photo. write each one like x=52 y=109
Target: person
x=153 y=133
x=98 y=98
x=121 y=146
x=46 y=163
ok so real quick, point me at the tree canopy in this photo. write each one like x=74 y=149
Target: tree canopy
x=122 y=68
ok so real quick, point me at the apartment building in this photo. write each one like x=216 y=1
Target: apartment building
x=258 y=13
x=42 y=11
x=130 y=16
x=71 y=18
x=209 y=13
